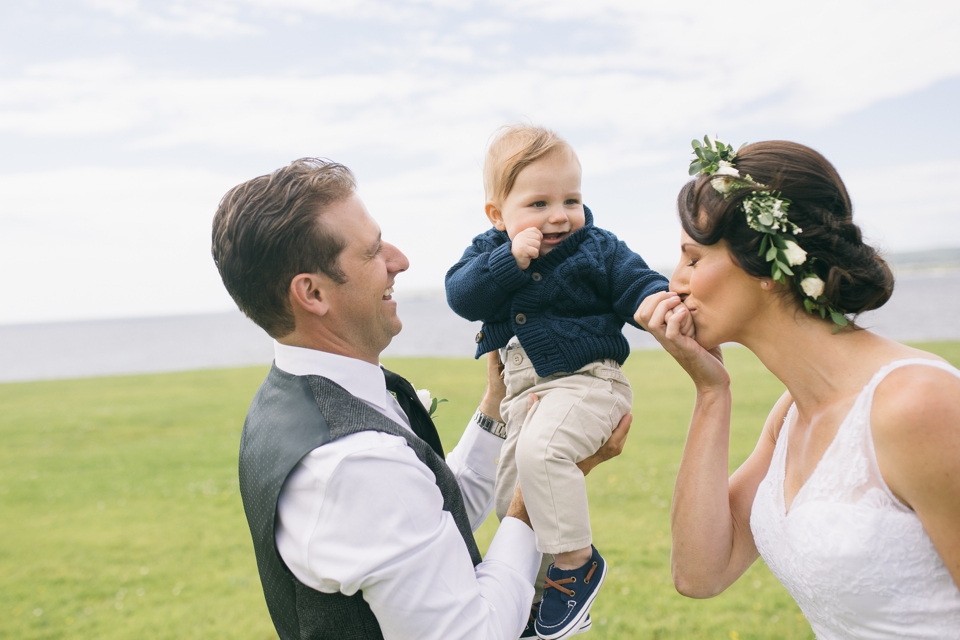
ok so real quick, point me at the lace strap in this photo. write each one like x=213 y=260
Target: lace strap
x=896 y=364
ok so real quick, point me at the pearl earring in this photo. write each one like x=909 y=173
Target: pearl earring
x=765 y=284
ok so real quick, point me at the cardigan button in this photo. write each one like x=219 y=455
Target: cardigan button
x=536 y=277
x=479 y=336
x=520 y=319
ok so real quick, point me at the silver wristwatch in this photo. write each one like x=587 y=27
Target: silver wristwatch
x=487 y=423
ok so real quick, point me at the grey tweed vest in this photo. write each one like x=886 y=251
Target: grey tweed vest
x=289 y=417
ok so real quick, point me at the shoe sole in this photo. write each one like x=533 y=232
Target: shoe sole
x=579 y=624
x=587 y=625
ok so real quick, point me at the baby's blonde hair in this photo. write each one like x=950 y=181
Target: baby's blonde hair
x=513 y=148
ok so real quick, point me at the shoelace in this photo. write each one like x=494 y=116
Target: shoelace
x=558 y=584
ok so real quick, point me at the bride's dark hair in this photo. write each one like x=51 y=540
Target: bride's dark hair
x=856 y=277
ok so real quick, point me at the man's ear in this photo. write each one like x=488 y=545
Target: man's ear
x=310 y=292
x=495 y=217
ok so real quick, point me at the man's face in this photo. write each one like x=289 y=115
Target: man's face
x=363 y=313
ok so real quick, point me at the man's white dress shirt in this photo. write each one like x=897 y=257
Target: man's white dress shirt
x=364 y=513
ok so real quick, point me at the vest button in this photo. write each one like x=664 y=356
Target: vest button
x=520 y=319
x=479 y=336
x=536 y=277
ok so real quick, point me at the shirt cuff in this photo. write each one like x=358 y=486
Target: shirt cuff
x=482 y=450
x=515 y=543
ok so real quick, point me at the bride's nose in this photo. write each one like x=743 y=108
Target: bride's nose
x=680 y=281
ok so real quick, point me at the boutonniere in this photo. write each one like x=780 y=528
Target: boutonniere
x=429 y=402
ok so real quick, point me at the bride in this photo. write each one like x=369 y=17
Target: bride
x=852 y=494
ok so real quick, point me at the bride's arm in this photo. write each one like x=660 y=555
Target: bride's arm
x=916 y=433
x=710 y=519
x=710 y=516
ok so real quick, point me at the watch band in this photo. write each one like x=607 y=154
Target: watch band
x=487 y=423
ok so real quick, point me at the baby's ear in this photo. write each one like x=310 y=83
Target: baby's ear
x=495 y=217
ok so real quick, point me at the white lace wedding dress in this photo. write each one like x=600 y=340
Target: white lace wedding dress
x=856 y=560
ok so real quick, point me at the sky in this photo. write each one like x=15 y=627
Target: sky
x=123 y=122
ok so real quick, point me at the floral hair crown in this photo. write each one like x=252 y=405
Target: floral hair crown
x=766 y=212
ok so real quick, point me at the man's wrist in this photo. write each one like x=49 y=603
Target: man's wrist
x=490 y=425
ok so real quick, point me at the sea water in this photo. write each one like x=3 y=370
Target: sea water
x=925 y=306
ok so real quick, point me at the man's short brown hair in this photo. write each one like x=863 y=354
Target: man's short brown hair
x=269 y=229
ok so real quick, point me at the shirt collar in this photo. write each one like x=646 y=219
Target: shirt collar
x=359 y=378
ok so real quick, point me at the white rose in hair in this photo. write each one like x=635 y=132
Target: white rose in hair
x=726 y=169
x=795 y=255
x=425 y=398
x=812 y=286
x=720 y=185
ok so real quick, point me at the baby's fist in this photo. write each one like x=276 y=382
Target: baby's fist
x=526 y=246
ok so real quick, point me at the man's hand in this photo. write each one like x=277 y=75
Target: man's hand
x=495 y=391
x=526 y=246
x=611 y=448
x=518 y=509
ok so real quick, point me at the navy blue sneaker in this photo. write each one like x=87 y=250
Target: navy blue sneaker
x=530 y=632
x=567 y=596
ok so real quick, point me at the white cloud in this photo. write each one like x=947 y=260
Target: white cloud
x=907 y=207
x=617 y=77
x=205 y=19
x=99 y=242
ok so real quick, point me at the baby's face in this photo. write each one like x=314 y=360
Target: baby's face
x=545 y=195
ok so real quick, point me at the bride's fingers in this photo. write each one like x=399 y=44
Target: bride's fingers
x=658 y=319
x=675 y=321
x=648 y=306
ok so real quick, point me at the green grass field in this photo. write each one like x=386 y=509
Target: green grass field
x=121 y=516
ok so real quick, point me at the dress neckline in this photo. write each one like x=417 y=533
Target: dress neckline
x=875 y=380
x=784 y=509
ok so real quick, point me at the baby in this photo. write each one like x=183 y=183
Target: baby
x=553 y=292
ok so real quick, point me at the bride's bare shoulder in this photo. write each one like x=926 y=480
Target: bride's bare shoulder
x=915 y=396
x=915 y=423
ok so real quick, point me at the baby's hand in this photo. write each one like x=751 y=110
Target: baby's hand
x=526 y=246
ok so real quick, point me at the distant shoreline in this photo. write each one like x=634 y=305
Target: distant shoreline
x=924 y=307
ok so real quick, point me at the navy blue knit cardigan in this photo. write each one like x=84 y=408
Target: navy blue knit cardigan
x=567 y=308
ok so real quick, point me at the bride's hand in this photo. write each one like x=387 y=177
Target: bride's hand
x=665 y=317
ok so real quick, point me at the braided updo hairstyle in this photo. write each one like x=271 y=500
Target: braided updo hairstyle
x=855 y=276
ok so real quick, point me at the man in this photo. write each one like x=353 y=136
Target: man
x=360 y=527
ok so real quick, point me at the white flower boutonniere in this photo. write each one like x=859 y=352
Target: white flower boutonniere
x=429 y=402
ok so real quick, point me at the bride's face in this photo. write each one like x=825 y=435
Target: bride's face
x=720 y=295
